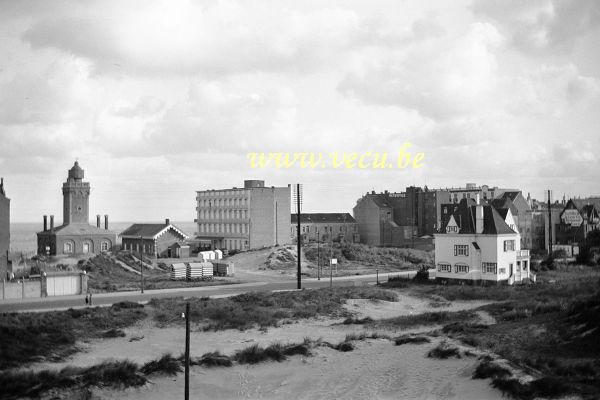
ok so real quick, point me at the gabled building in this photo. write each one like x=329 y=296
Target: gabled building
x=155 y=240
x=478 y=245
x=325 y=227
x=375 y=215
x=75 y=235
x=578 y=218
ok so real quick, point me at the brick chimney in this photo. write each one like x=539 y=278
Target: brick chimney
x=106 y=221
x=52 y=222
x=97 y=220
x=167 y=221
x=45 y=223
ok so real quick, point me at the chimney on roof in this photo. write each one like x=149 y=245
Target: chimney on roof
x=45 y=223
x=106 y=221
x=52 y=222
x=478 y=216
x=98 y=221
x=167 y=221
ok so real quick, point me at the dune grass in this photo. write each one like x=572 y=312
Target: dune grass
x=444 y=350
x=264 y=309
x=28 y=337
x=413 y=339
x=165 y=365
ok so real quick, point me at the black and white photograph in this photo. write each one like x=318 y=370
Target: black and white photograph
x=286 y=199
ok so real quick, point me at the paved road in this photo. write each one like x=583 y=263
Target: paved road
x=64 y=302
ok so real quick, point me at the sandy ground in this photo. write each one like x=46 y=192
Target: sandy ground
x=376 y=369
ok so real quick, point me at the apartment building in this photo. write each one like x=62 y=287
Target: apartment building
x=251 y=217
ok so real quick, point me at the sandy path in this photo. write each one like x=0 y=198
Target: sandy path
x=375 y=370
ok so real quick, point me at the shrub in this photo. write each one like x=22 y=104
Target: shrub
x=464 y=327
x=358 y=321
x=214 y=359
x=166 y=365
x=113 y=333
x=400 y=340
x=490 y=369
x=443 y=351
x=344 y=346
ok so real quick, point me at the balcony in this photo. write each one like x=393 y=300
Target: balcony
x=522 y=253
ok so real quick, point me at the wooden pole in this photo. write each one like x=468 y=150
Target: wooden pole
x=187 y=351
x=299 y=237
x=141 y=263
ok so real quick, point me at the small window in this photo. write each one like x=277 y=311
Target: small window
x=104 y=246
x=444 y=267
x=461 y=268
x=489 y=268
x=509 y=245
x=461 y=250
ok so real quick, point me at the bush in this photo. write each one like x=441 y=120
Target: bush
x=404 y=339
x=166 y=365
x=113 y=333
x=488 y=369
x=443 y=351
x=344 y=346
x=358 y=321
x=214 y=359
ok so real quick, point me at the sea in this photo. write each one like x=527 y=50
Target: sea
x=23 y=237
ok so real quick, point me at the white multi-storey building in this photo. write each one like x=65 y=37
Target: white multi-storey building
x=245 y=218
x=480 y=243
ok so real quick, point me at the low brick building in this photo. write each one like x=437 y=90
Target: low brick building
x=156 y=240
x=325 y=227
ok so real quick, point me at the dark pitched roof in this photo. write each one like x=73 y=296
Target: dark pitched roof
x=493 y=223
x=324 y=218
x=510 y=195
x=148 y=231
x=504 y=202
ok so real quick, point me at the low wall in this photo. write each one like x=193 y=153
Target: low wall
x=59 y=285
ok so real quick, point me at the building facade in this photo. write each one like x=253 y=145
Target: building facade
x=325 y=227
x=578 y=218
x=4 y=230
x=478 y=245
x=245 y=218
x=156 y=240
x=75 y=235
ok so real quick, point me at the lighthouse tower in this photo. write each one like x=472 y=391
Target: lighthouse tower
x=76 y=196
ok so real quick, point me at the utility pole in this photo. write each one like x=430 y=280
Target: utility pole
x=141 y=262
x=318 y=256
x=187 y=350
x=298 y=234
x=549 y=224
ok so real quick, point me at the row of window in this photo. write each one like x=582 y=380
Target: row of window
x=147 y=249
x=236 y=244
x=486 y=268
x=463 y=249
x=324 y=229
x=228 y=202
x=222 y=214
x=88 y=247
x=223 y=228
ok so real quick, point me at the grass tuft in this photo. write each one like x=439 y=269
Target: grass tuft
x=165 y=365
x=404 y=339
x=443 y=351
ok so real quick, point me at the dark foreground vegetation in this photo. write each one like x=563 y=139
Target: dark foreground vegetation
x=123 y=374
x=264 y=309
x=28 y=337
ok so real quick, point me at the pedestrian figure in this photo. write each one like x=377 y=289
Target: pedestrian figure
x=86 y=299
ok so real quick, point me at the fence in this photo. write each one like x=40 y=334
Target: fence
x=45 y=286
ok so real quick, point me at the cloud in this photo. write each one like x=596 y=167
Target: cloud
x=542 y=25
x=441 y=79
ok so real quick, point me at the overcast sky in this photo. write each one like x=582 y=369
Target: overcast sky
x=158 y=99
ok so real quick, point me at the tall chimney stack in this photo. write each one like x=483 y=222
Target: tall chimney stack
x=45 y=223
x=97 y=220
x=106 y=221
x=52 y=222
x=167 y=221
x=478 y=215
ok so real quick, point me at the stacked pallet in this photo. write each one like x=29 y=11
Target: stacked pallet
x=223 y=268
x=207 y=255
x=178 y=271
x=203 y=270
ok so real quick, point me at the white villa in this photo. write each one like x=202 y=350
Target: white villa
x=480 y=243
